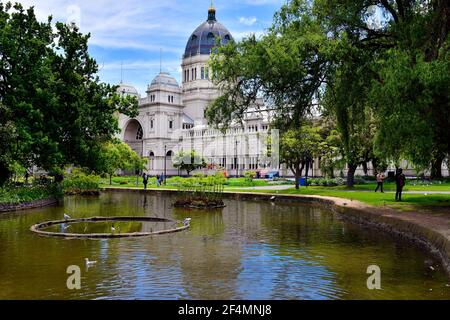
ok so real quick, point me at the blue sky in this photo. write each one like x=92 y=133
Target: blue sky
x=133 y=32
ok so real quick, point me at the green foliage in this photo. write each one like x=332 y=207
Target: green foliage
x=53 y=104
x=250 y=175
x=385 y=86
x=299 y=147
x=283 y=67
x=188 y=161
x=10 y=194
x=78 y=182
x=117 y=155
x=201 y=190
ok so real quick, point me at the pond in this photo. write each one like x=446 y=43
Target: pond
x=248 y=250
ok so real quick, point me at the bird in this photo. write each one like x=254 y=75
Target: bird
x=90 y=263
x=66 y=217
x=113 y=229
x=187 y=221
x=273 y=198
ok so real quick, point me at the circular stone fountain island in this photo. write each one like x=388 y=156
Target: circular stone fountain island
x=115 y=232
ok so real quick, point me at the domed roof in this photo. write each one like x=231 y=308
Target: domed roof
x=127 y=89
x=203 y=39
x=164 y=79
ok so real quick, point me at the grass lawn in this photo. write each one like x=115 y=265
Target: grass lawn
x=359 y=192
x=410 y=186
x=409 y=201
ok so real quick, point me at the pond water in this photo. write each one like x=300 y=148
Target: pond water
x=248 y=250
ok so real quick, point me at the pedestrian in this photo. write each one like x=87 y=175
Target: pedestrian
x=380 y=181
x=400 y=181
x=145 y=180
x=158 y=180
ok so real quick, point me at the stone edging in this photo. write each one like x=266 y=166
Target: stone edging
x=430 y=234
x=28 y=205
x=37 y=228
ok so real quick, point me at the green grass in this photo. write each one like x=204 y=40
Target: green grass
x=363 y=193
x=130 y=182
x=410 y=186
x=375 y=199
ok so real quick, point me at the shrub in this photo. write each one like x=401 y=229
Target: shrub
x=11 y=194
x=79 y=182
x=250 y=175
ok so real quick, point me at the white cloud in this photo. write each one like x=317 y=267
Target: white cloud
x=135 y=30
x=248 y=21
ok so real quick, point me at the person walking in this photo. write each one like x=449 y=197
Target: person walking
x=380 y=181
x=145 y=180
x=158 y=180
x=400 y=181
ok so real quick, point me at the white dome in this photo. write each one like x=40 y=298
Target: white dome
x=165 y=79
x=126 y=89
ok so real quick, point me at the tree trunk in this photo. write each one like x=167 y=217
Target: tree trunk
x=436 y=168
x=110 y=179
x=307 y=172
x=365 y=168
x=351 y=175
x=4 y=173
x=297 y=171
x=297 y=180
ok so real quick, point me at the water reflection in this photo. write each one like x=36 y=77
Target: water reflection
x=248 y=250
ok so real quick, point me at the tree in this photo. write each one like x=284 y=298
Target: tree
x=60 y=111
x=188 y=161
x=285 y=68
x=299 y=148
x=406 y=64
x=117 y=155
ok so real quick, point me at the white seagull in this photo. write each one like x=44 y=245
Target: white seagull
x=113 y=229
x=90 y=263
x=187 y=221
x=66 y=217
x=273 y=198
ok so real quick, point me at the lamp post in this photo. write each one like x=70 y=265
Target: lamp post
x=165 y=163
x=236 y=163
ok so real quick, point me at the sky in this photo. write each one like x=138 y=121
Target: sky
x=129 y=35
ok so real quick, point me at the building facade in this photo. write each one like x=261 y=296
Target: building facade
x=172 y=117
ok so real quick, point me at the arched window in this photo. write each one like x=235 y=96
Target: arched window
x=227 y=37
x=139 y=133
x=210 y=38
